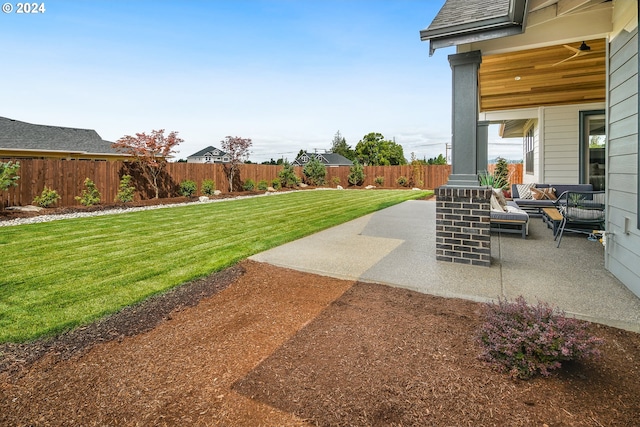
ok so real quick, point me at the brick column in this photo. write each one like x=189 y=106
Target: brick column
x=463 y=225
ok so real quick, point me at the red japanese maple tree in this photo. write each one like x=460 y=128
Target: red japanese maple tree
x=150 y=152
x=238 y=150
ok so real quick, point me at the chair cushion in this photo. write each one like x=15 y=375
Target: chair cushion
x=580 y=214
x=512 y=214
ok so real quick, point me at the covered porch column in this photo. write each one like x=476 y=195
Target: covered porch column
x=462 y=206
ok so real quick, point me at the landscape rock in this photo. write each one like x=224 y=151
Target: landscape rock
x=369 y=187
x=303 y=185
x=271 y=190
x=339 y=187
x=217 y=193
x=27 y=208
x=203 y=199
x=416 y=189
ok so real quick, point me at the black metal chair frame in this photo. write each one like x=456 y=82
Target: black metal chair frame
x=581 y=212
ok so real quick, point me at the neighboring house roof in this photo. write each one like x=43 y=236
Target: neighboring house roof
x=465 y=21
x=27 y=137
x=211 y=150
x=328 y=159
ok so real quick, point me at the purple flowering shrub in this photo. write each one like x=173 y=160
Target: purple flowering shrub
x=527 y=340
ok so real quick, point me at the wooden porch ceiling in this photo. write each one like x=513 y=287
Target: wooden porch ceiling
x=529 y=78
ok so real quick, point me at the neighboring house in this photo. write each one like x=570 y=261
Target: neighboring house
x=562 y=75
x=328 y=159
x=21 y=140
x=209 y=155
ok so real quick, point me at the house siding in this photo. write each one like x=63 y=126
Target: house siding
x=623 y=249
x=561 y=142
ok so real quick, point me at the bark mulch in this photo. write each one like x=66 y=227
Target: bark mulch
x=262 y=345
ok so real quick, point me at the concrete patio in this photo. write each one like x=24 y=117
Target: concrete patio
x=396 y=246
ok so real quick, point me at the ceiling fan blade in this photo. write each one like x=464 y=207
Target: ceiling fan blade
x=572 y=49
x=575 y=55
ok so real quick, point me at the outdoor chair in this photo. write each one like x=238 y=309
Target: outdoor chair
x=582 y=212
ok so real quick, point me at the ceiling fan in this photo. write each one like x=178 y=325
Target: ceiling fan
x=583 y=49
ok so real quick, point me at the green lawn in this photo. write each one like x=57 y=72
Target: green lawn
x=62 y=274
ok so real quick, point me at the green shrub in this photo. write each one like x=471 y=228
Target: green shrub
x=287 y=175
x=47 y=198
x=528 y=340
x=276 y=184
x=501 y=172
x=188 y=188
x=315 y=172
x=356 y=174
x=379 y=180
x=262 y=185
x=125 y=191
x=90 y=195
x=8 y=175
x=488 y=180
x=208 y=187
x=336 y=180
x=402 y=181
x=249 y=185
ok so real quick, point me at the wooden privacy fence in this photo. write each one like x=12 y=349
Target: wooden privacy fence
x=515 y=172
x=67 y=178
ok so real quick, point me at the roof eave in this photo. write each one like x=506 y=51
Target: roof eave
x=474 y=37
x=502 y=26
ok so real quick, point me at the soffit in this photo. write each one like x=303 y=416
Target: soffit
x=529 y=78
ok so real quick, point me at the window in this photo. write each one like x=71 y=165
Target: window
x=593 y=142
x=528 y=151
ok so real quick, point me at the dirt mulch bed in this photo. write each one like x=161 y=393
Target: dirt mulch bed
x=261 y=345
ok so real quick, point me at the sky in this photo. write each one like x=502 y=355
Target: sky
x=288 y=74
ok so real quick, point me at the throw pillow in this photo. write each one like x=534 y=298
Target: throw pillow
x=495 y=206
x=500 y=197
x=551 y=193
x=524 y=190
x=543 y=193
x=537 y=194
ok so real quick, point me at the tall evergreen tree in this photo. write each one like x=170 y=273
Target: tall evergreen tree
x=339 y=146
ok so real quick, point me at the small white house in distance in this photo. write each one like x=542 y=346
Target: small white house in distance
x=209 y=155
x=328 y=159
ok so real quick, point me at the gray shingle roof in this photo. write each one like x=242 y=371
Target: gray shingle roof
x=460 y=12
x=15 y=134
x=209 y=149
x=466 y=21
x=329 y=159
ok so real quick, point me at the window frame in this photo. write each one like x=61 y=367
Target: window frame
x=529 y=150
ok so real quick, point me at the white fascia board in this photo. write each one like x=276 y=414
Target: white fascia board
x=502 y=115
